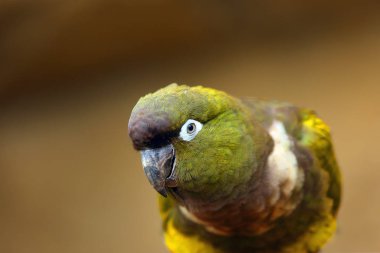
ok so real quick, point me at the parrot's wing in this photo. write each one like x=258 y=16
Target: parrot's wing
x=311 y=134
x=315 y=135
x=309 y=131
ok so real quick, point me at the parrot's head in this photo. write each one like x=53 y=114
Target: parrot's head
x=197 y=144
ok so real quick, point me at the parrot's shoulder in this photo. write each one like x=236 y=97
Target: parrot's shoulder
x=297 y=120
x=265 y=112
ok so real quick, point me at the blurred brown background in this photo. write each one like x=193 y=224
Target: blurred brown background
x=71 y=71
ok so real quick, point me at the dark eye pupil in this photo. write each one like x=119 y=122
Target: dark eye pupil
x=191 y=128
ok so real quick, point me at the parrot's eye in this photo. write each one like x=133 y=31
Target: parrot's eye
x=190 y=129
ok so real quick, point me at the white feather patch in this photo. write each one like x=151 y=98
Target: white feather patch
x=282 y=162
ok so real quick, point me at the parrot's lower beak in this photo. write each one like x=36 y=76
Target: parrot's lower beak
x=158 y=165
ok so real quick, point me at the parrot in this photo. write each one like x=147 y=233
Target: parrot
x=237 y=175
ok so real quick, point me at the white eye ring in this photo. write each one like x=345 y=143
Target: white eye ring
x=190 y=129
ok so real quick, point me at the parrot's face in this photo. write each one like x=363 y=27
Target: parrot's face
x=193 y=142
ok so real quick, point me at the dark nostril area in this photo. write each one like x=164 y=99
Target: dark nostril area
x=149 y=129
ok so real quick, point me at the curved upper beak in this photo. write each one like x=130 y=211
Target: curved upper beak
x=158 y=166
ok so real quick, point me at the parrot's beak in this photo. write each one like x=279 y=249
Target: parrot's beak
x=158 y=165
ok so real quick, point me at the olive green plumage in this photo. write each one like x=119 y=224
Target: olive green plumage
x=239 y=175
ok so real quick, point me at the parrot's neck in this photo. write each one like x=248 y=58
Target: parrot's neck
x=273 y=192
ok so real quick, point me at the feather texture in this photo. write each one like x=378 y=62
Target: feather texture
x=259 y=177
